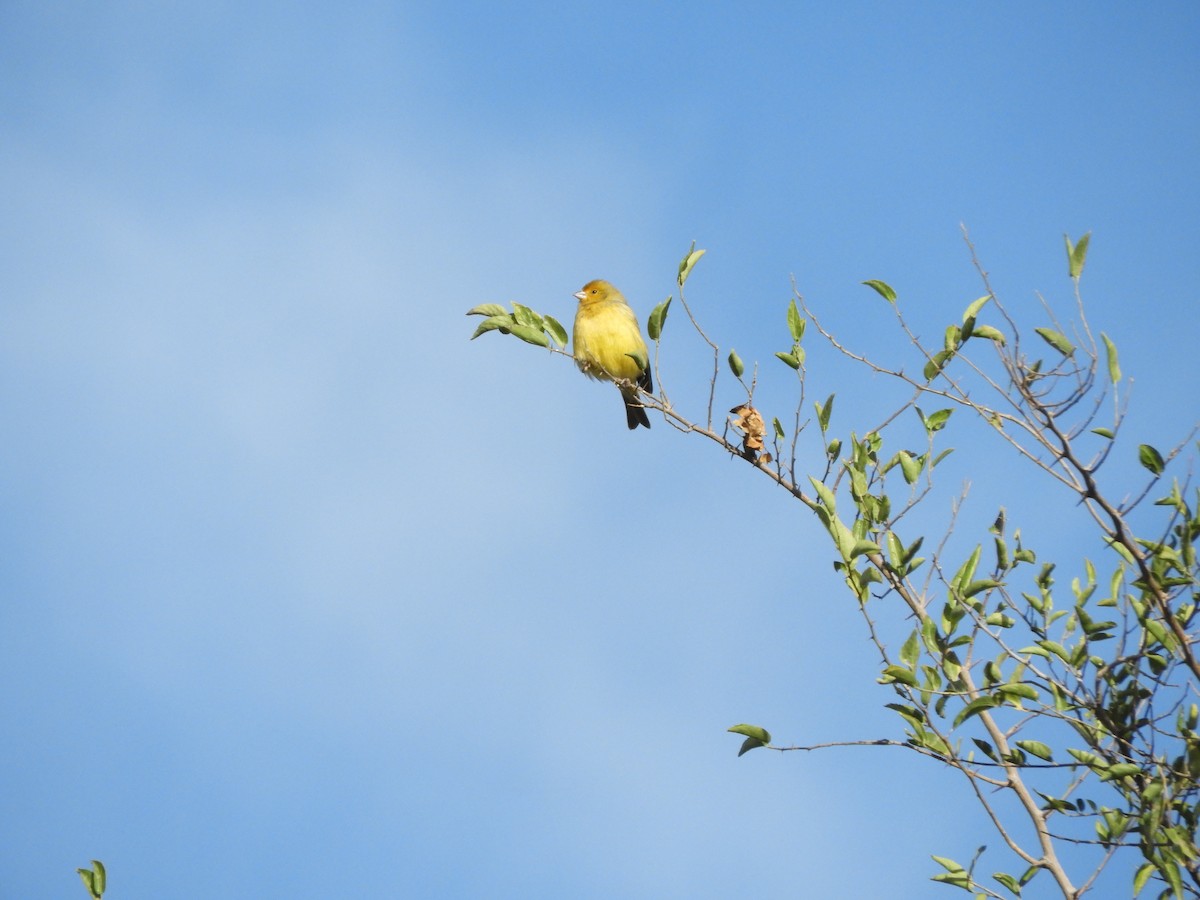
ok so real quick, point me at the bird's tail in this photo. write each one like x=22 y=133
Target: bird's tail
x=635 y=413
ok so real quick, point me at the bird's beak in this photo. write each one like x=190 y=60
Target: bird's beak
x=579 y=296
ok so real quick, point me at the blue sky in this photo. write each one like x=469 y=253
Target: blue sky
x=307 y=594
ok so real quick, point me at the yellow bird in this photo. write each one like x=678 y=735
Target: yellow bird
x=609 y=347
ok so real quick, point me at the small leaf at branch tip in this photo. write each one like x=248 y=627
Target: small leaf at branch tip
x=953 y=337
x=1114 y=369
x=789 y=359
x=862 y=547
x=910 y=466
x=531 y=335
x=948 y=864
x=976 y=305
x=936 y=420
x=658 y=318
x=487 y=309
x=936 y=364
x=1057 y=340
x=735 y=364
x=555 y=329
x=990 y=333
x=504 y=322
x=1151 y=459
x=750 y=744
x=899 y=673
x=526 y=316
x=883 y=289
x=690 y=260
x=1077 y=254
x=824 y=411
x=752 y=731
x=1036 y=748
x=795 y=322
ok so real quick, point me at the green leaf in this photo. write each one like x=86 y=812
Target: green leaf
x=936 y=364
x=824 y=411
x=1057 y=340
x=526 y=316
x=1009 y=882
x=1001 y=552
x=973 y=310
x=1122 y=770
x=948 y=864
x=1114 y=369
x=658 y=318
x=795 y=360
x=992 y=334
x=862 y=547
x=735 y=364
x=910 y=466
x=556 y=331
x=796 y=322
x=1036 y=748
x=823 y=492
x=967 y=570
x=911 y=714
x=988 y=750
x=910 y=650
x=1077 y=255
x=1104 y=433
x=935 y=421
x=750 y=744
x=958 y=879
x=531 y=334
x=883 y=289
x=975 y=587
x=504 y=322
x=929 y=635
x=975 y=707
x=752 y=731
x=1142 y=876
x=1158 y=632
x=690 y=260
x=1151 y=459
x=1056 y=648
x=487 y=309
x=778 y=429
x=901 y=674
x=1024 y=691
x=953 y=337
x=1169 y=870
x=1089 y=759
x=94 y=879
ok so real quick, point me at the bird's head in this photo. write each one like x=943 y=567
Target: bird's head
x=596 y=291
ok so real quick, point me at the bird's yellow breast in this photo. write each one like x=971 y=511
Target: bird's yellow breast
x=606 y=331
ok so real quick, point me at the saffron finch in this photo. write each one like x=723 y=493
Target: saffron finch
x=608 y=346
